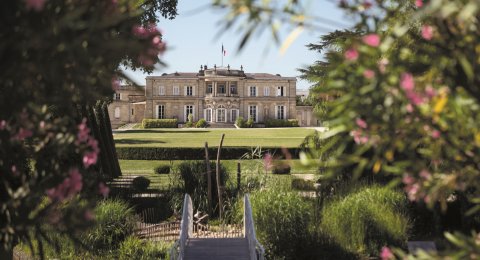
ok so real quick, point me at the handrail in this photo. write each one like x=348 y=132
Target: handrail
x=256 y=250
x=186 y=230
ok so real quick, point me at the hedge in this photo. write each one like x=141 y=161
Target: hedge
x=159 y=123
x=281 y=123
x=188 y=153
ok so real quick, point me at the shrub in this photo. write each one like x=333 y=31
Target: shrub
x=249 y=123
x=376 y=217
x=115 y=220
x=188 y=124
x=135 y=248
x=202 y=123
x=281 y=169
x=281 y=220
x=159 y=123
x=281 y=123
x=140 y=183
x=240 y=122
x=162 y=169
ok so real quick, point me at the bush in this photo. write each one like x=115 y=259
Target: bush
x=240 y=122
x=249 y=123
x=281 y=123
x=281 y=221
x=135 y=248
x=202 y=123
x=281 y=169
x=140 y=183
x=189 y=153
x=162 y=169
x=115 y=221
x=188 y=124
x=159 y=123
x=376 y=217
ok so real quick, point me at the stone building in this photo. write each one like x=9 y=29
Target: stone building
x=220 y=95
x=128 y=106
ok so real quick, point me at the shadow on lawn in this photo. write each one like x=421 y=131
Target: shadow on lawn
x=134 y=141
x=164 y=131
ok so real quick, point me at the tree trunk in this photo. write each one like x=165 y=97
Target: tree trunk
x=219 y=186
x=209 y=180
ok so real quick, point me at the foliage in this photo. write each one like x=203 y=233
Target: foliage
x=281 y=123
x=240 y=122
x=159 y=123
x=364 y=221
x=115 y=221
x=249 y=123
x=202 y=123
x=185 y=153
x=46 y=139
x=135 y=248
x=302 y=184
x=162 y=169
x=140 y=183
x=188 y=124
x=281 y=168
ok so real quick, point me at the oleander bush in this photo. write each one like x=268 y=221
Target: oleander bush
x=140 y=183
x=281 y=123
x=365 y=220
x=162 y=169
x=159 y=123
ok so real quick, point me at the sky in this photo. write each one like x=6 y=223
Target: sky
x=193 y=39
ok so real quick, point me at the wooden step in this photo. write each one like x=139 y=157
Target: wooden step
x=217 y=248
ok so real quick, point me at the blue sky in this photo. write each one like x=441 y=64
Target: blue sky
x=192 y=39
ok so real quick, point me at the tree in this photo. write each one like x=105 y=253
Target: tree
x=59 y=57
x=408 y=101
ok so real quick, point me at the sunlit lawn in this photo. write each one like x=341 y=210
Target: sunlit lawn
x=252 y=137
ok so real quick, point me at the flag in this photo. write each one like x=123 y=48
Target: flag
x=224 y=52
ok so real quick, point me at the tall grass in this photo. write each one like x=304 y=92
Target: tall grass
x=367 y=219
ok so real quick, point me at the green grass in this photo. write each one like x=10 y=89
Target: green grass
x=145 y=168
x=191 y=137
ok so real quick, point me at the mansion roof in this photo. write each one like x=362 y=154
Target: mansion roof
x=222 y=72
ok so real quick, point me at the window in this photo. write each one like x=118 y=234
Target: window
x=253 y=91
x=161 y=92
x=161 y=111
x=208 y=115
x=188 y=111
x=266 y=91
x=280 y=92
x=280 y=113
x=132 y=111
x=221 y=114
x=117 y=112
x=234 y=115
x=176 y=90
x=189 y=91
x=221 y=88
x=233 y=89
x=252 y=113
x=209 y=88
x=116 y=96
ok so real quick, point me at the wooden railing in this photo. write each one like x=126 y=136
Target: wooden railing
x=186 y=230
x=256 y=250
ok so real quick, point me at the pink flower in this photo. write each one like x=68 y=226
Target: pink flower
x=435 y=134
x=382 y=65
x=414 y=98
x=83 y=132
x=408 y=179
x=409 y=108
x=88 y=215
x=139 y=31
x=430 y=91
x=369 y=74
x=361 y=123
x=36 y=5
x=22 y=134
x=419 y=3
x=351 y=54
x=268 y=161
x=427 y=32
x=372 y=40
x=89 y=158
x=145 y=60
x=359 y=137
x=69 y=187
x=413 y=191
x=3 y=124
x=386 y=253
x=407 y=82
x=103 y=189
x=425 y=174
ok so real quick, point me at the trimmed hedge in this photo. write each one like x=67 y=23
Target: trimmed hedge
x=281 y=123
x=159 y=123
x=140 y=183
x=189 y=153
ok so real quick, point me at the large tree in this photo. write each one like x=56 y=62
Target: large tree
x=58 y=57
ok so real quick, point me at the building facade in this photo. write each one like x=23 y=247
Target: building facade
x=128 y=106
x=220 y=96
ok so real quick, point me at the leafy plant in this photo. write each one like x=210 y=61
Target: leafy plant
x=249 y=123
x=140 y=183
x=162 y=169
x=135 y=248
x=202 y=123
x=240 y=122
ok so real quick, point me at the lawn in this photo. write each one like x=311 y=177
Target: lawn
x=145 y=168
x=191 y=137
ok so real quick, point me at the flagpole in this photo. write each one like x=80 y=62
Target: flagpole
x=222 y=54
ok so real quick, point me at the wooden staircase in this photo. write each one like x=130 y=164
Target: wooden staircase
x=217 y=248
